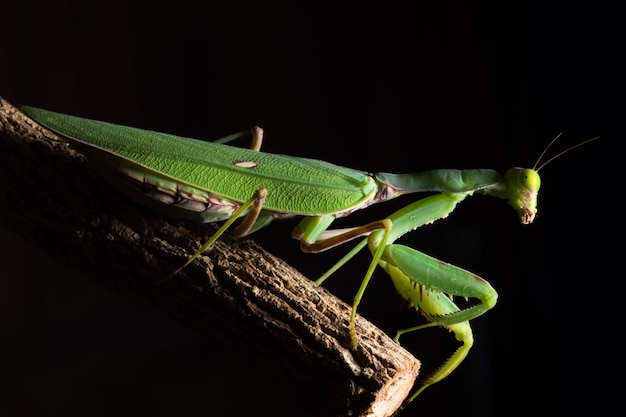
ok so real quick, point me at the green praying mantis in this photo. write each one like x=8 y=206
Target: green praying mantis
x=211 y=182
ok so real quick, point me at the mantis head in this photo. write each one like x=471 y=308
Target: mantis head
x=522 y=184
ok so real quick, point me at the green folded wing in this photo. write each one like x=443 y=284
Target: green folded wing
x=295 y=185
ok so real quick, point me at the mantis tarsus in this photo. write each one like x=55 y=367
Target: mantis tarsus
x=210 y=181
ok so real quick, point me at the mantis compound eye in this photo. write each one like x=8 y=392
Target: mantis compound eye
x=529 y=179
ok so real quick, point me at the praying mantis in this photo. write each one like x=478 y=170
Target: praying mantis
x=212 y=181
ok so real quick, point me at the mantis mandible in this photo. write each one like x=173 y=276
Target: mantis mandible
x=211 y=181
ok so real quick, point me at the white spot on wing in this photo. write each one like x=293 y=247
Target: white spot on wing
x=245 y=164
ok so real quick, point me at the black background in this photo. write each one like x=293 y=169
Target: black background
x=378 y=87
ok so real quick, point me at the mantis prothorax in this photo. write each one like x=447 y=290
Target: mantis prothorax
x=210 y=181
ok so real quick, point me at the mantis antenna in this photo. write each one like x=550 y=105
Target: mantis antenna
x=560 y=153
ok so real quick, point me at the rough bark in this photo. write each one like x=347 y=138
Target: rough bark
x=236 y=293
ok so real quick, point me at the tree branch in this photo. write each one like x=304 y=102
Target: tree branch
x=236 y=293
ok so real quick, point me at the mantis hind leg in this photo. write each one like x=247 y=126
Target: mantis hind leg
x=257 y=137
x=254 y=206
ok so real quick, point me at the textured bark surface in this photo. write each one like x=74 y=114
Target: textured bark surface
x=236 y=293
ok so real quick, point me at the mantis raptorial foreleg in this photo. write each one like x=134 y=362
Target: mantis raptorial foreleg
x=437 y=304
x=424 y=281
